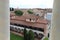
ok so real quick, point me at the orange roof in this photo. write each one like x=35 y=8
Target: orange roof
x=32 y=16
x=25 y=17
x=12 y=14
x=42 y=21
x=38 y=25
x=22 y=20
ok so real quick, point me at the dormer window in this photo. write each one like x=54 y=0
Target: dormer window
x=30 y=20
x=27 y=20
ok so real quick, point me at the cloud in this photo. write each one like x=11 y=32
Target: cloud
x=31 y=3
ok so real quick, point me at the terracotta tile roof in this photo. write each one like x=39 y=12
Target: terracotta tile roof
x=12 y=14
x=42 y=21
x=38 y=25
x=32 y=16
x=22 y=20
x=28 y=17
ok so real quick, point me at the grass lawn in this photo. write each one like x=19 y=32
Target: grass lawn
x=15 y=37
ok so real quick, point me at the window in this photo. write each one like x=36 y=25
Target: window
x=30 y=20
x=27 y=19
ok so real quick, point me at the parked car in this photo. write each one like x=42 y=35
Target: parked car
x=40 y=36
x=18 y=30
x=11 y=28
x=22 y=31
x=35 y=35
x=15 y=29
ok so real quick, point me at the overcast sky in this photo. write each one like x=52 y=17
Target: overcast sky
x=31 y=3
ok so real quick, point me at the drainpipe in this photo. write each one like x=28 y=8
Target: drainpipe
x=4 y=20
x=55 y=31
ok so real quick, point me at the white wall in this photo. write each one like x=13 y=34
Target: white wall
x=4 y=20
x=55 y=33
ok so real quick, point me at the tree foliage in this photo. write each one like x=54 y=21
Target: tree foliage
x=25 y=34
x=28 y=35
x=18 y=13
x=11 y=9
x=30 y=11
x=46 y=38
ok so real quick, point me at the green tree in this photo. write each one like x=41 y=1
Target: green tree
x=30 y=35
x=30 y=11
x=18 y=13
x=11 y=9
x=46 y=38
x=25 y=34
